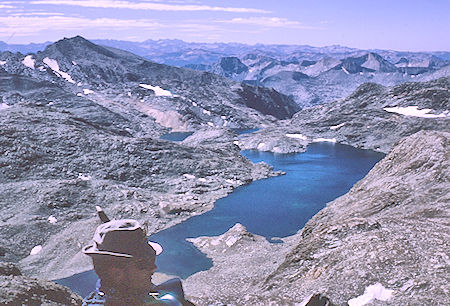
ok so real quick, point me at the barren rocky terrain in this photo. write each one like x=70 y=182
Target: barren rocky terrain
x=372 y=117
x=80 y=126
x=16 y=289
x=385 y=242
x=70 y=140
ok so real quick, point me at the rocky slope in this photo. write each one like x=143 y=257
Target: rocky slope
x=384 y=242
x=16 y=289
x=58 y=161
x=372 y=117
x=132 y=86
x=79 y=127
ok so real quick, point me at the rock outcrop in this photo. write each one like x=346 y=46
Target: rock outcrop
x=16 y=289
x=386 y=241
x=129 y=85
x=241 y=260
x=373 y=117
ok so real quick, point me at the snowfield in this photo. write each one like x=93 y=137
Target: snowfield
x=158 y=90
x=414 y=111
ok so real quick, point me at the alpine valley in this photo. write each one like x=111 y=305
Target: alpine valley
x=80 y=126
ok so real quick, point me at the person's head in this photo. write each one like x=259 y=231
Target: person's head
x=122 y=256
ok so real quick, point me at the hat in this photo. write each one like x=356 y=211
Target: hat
x=122 y=238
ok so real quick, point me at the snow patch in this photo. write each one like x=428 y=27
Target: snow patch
x=53 y=64
x=42 y=68
x=210 y=124
x=73 y=63
x=223 y=117
x=297 y=136
x=231 y=241
x=345 y=70
x=207 y=112
x=261 y=146
x=79 y=84
x=52 y=220
x=236 y=142
x=129 y=94
x=376 y=291
x=158 y=90
x=189 y=176
x=79 y=94
x=87 y=91
x=2 y=63
x=29 y=61
x=84 y=177
x=371 y=63
x=4 y=106
x=194 y=104
x=335 y=127
x=324 y=140
x=36 y=250
x=414 y=111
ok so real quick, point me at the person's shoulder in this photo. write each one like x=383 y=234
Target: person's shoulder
x=94 y=299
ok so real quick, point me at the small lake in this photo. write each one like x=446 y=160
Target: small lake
x=273 y=207
x=180 y=136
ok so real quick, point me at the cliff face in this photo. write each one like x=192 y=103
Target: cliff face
x=386 y=239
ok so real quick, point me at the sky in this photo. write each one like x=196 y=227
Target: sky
x=402 y=25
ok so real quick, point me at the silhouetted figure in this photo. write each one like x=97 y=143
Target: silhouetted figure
x=124 y=261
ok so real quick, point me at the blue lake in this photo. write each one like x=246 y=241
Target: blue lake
x=273 y=207
x=180 y=136
x=176 y=136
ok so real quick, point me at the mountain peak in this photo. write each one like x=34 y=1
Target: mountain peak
x=76 y=47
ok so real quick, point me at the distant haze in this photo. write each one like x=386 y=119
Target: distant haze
x=408 y=25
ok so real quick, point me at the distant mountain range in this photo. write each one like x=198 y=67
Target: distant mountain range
x=309 y=75
x=309 y=80
x=179 y=53
x=139 y=90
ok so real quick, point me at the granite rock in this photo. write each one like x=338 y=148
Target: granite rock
x=16 y=289
x=386 y=241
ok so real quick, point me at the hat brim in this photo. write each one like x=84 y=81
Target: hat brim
x=92 y=250
x=156 y=246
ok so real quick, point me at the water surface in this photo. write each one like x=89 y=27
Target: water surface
x=273 y=207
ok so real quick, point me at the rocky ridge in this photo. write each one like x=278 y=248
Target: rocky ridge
x=385 y=242
x=372 y=117
x=129 y=85
x=309 y=75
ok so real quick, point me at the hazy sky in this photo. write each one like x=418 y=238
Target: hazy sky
x=414 y=25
